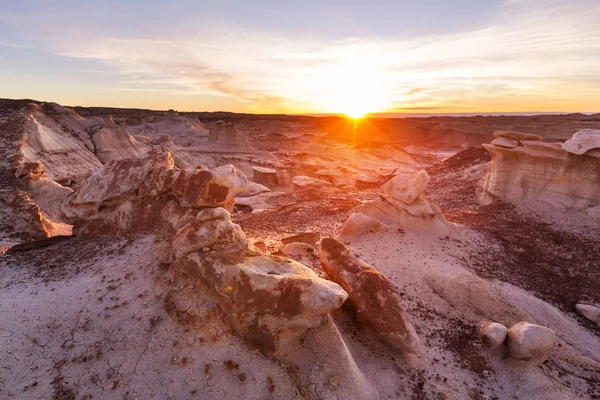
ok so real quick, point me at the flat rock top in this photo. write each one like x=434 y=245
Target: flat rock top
x=264 y=170
x=583 y=141
x=517 y=135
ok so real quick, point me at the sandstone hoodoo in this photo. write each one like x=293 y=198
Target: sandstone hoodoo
x=270 y=301
x=402 y=204
x=584 y=141
x=378 y=305
x=541 y=173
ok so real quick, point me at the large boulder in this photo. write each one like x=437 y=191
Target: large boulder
x=378 y=305
x=403 y=205
x=530 y=342
x=268 y=300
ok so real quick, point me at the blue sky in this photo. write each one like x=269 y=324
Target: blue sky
x=310 y=56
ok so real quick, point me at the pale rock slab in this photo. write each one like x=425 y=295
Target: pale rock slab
x=492 y=334
x=591 y=312
x=505 y=142
x=583 y=141
x=302 y=181
x=378 y=305
x=517 y=135
x=530 y=342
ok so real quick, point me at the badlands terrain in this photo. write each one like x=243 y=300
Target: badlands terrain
x=157 y=255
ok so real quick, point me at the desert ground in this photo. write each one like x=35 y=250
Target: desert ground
x=163 y=255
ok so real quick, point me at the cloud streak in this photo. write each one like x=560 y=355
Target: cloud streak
x=532 y=52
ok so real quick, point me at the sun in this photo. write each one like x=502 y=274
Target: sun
x=356 y=113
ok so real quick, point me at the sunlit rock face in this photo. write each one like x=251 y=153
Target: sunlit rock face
x=374 y=297
x=402 y=204
x=57 y=137
x=270 y=301
x=540 y=172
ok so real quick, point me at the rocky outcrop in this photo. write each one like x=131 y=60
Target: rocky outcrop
x=302 y=181
x=311 y=238
x=377 y=302
x=530 y=342
x=268 y=300
x=112 y=142
x=181 y=130
x=25 y=217
x=57 y=137
x=517 y=135
x=401 y=205
x=542 y=173
x=225 y=138
x=46 y=193
x=265 y=176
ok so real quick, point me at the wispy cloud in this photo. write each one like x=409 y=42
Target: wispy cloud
x=532 y=51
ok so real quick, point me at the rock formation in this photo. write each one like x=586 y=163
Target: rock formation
x=492 y=334
x=224 y=137
x=377 y=302
x=539 y=172
x=530 y=342
x=268 y=300
x=401 y=205
x=25 y=217
x=112 y=142
x=584 y=141
x=181 y=130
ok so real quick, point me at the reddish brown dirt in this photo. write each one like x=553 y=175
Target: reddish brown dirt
x=559 y=266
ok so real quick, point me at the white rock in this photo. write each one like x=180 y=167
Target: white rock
x=303 y=181
x=589 y=311
x=406 y=187
x=505 y=142
x=583 y=141
x=492 y=334
x=530 y=342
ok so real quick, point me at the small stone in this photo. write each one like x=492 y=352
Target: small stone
x=530 y=342
x=205 y=249
x=589 y=311
x=492 y=334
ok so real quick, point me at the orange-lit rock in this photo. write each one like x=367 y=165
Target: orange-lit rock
x=378 y=305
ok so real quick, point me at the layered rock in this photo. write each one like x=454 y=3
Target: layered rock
x=401 y=205
x=25 y=217
x=57 y=137
x=181 y=130
x=540 y=172
x=268 y=300
x=112 y=142
x=378 y=305
x=45 y=192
